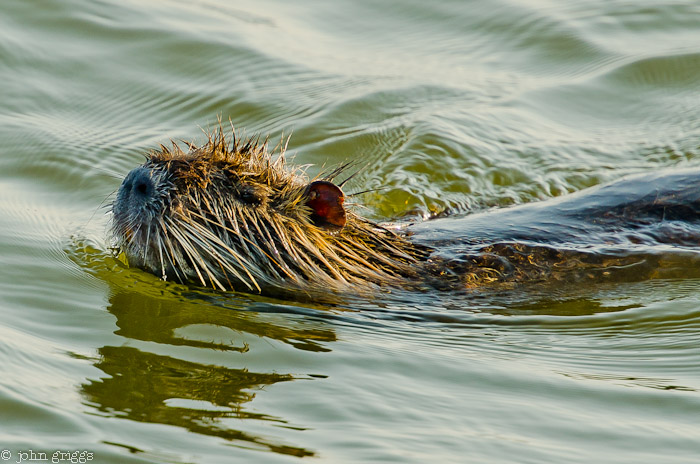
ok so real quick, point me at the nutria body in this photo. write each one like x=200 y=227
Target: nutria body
x=232 y=215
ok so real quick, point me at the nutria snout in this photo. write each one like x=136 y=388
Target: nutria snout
x=143 y=193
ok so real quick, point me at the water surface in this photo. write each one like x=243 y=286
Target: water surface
x=450 y=105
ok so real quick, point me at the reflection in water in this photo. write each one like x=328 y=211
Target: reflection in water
x=142 y=387
x=157 y=318
x=148 y=387
x=631 y=381
x=567 y=306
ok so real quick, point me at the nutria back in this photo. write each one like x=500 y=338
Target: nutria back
x=638 y=228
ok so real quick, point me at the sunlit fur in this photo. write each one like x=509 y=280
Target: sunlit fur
x=229 y=214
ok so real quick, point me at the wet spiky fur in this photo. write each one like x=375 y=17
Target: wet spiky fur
x=231 y=215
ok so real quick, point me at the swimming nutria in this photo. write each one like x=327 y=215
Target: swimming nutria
x=232 y=216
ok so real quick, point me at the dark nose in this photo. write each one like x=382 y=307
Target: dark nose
x=139 y=184
x=139 y=201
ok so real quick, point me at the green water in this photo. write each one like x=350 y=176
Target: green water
x=455 y=105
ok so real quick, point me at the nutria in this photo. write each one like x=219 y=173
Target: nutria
x=231 y=214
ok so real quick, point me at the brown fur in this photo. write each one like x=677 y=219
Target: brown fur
x=235 y=216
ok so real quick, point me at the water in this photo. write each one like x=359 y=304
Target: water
x=453 y=106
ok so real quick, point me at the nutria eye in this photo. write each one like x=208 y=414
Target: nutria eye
x=251 y=195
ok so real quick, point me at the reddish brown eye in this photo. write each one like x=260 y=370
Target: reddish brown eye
x=326 y=201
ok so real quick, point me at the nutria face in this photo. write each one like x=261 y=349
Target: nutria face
x=232 y=216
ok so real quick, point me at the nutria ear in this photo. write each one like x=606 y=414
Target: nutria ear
x=326 y=202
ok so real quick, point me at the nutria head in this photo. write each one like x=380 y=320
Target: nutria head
x=231 y=215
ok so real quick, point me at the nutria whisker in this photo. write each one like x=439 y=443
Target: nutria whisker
x=173 y=259
x=378 y=189
x=208 y=241
x=338 y=170
x=195 y=259
x=160 y=257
